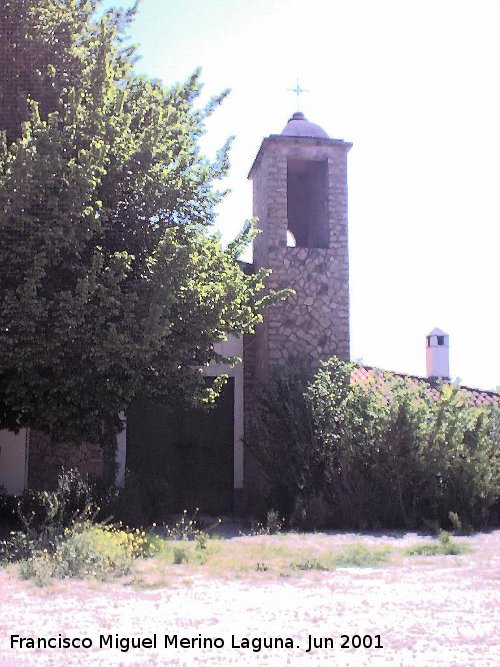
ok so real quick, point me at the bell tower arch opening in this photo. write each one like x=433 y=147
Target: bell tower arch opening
x=307 y=198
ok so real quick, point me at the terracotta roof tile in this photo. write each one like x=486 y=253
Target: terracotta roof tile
x=366 y=375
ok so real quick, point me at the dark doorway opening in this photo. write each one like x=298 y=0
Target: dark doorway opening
x=192 y=451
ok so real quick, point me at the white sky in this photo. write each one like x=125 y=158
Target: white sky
x=415 y=86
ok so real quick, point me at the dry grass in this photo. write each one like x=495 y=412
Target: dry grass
x=438 y=610
x=277 y=556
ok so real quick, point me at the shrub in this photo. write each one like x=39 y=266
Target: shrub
x=185 y=528
x=7 y=509
x=184 y=541
x=60 y=537
x=44 y=516
x=88 y=550
x=394 y=452
x=313 y=513
x=181 y=555
x=93 y=550
x=273 y=522
x=38 y=568
x=282 y=438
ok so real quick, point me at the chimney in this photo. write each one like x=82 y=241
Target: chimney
x=438 y=354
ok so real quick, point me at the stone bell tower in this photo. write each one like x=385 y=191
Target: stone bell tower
x=300 y=198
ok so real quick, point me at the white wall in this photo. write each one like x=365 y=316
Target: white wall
x=438 y=354
x=13 y=461
x=121 y=453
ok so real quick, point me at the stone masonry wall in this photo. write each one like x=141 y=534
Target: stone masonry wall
x=47 y=458
x=314 y=323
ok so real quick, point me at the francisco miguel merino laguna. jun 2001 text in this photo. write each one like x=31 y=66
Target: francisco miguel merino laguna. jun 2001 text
x=175 y=641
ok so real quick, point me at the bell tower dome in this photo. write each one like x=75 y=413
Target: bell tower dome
x=300 y=199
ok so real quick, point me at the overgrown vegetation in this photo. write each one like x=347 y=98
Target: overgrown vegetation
x=392 y=453
x=85 y=550
x=64 y=533
x=42 y=517
x=62 y=538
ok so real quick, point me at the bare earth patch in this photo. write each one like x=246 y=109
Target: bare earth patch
x=440 y=610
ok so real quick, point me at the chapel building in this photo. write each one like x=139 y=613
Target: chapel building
x=196 y=458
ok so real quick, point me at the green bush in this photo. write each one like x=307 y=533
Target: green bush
x=88 y=550
x=181 y=555
x=392 y=453
x=93 y=550
x=38 y=568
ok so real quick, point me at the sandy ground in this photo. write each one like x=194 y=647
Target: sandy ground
x=428 y=611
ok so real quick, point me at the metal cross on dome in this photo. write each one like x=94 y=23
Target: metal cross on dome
x=298 y=90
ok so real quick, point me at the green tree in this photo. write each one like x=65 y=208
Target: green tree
x=112 y=282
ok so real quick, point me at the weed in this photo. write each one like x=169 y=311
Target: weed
x=87 y=550
x=445 y=546
x=201 y=541
x=272 y=526
x=38 y=569
x=309 y=564
x=188 y=528
x=358 y=555
x=180 y=555
x=95 y=551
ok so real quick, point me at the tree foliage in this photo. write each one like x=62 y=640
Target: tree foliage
x=112 y=283
x=393 y=452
